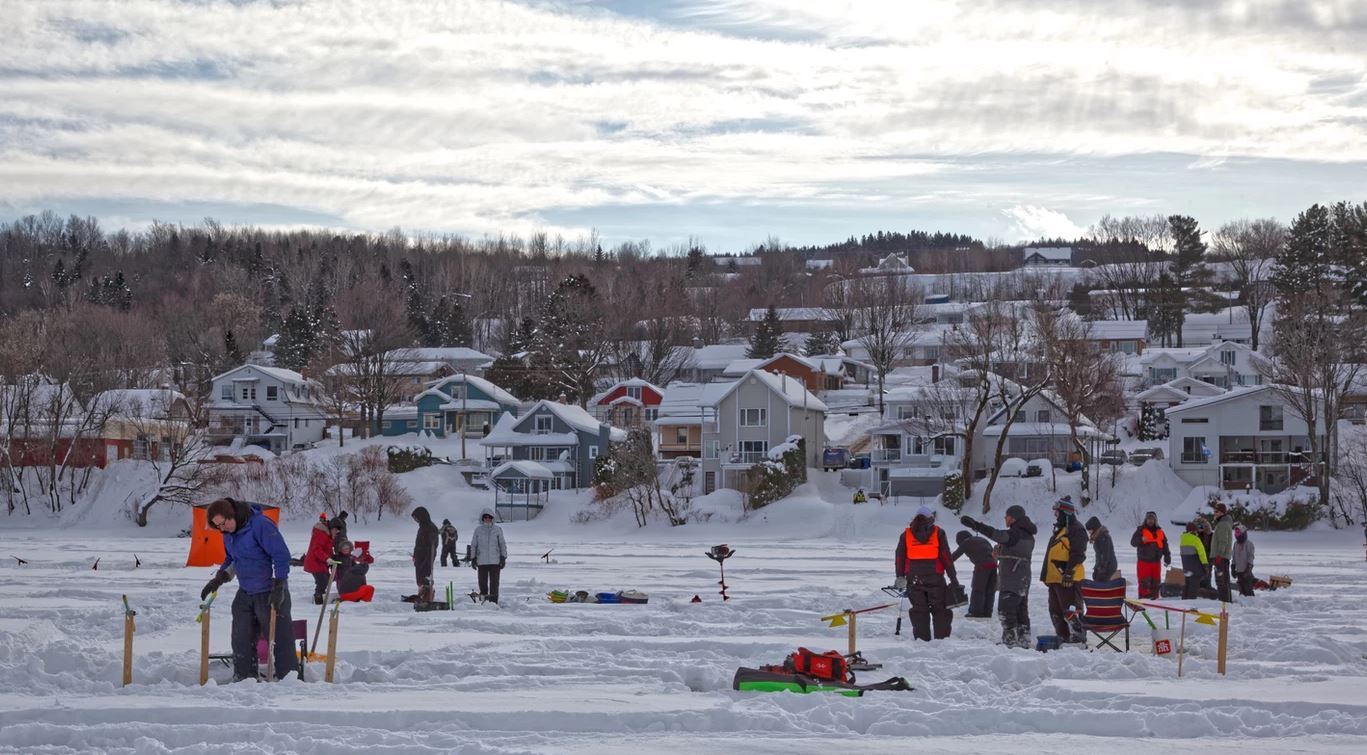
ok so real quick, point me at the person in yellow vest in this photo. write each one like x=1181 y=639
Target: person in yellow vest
x=922 y=563
x=859 y=496
x=1063 y=559
x=1195 y=563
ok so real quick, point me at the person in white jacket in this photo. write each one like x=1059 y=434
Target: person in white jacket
x=488 y=554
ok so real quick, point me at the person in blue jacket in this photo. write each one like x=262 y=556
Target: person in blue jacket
x=253 y=548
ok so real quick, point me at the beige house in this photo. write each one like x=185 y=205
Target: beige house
x=744 y=419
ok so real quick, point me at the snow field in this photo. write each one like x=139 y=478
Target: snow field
x=536 y=677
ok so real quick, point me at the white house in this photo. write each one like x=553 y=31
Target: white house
x=1051 y=256
x=1244 y=438
x=751 y=415
x=1174 y=392
x=1040 y=431
x=1226 y=364
x=272 y=407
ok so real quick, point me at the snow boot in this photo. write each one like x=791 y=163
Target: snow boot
x=318 y=599
x=1023 y=636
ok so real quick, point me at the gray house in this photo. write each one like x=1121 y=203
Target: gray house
x=272 y=407
x=562 y=438
x=747 y=417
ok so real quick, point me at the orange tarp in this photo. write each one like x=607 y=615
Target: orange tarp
x=206 y=544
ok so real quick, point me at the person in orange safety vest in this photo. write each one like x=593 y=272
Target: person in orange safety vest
x=923 y=562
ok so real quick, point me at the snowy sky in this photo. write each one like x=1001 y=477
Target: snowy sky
x=731 y=120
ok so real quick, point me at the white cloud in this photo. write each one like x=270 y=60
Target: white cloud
x=1031 y=223
x=484 y=117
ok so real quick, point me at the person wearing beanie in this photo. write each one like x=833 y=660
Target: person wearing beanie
x=1104 y=564
x=1063 y=559
x=316 y=558
x=448 y=542
x=1194 y=561
x=1243 y=561
x=1222 y=550
x=350 y=572
x=983 y=590
x=1015 y=546
x=1151 y=546
x=922 y=562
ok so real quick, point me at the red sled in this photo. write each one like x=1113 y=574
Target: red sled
x=362 y=594
x=363 y=551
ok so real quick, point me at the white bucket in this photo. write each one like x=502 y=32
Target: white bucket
x=1163 y=643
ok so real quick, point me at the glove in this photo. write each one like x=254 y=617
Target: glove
x=472 y=563
x=502 y=562
x=1067 y=580
x=277 y=593
x=220 y=579
x=1219 y=560
x=1167 y=560
x=901 y=583
x=969 y=522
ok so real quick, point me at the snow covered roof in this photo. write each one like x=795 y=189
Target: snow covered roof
x=625 y=400
x=628 y=383
x=504 y=433
x=279 y=373
x=142 y=402
x=444 y=354
x=397 y=369
x=1051 y=253
x=791 y=390
x=1058 y=429
x=486 y=387
x=401 y=411
x=742 y=366
x=718 y=355
x=1236 y=394
x=529 y=469
x=680 y=399
x=472 y=405
x=1181 y=389
x=1118 y=330
x=788 y=314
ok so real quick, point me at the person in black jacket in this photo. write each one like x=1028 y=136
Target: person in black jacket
x=984 y=586
x=424 y=554
x=922 y=562
x=350 y=572
x=1015 y=544
x=1104 y=563
x=448 y=542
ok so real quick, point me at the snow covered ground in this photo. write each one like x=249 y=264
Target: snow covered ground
x=536 y=677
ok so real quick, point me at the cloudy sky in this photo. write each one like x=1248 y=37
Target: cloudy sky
x=726 y=120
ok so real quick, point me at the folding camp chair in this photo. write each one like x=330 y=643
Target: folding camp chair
x=1106 y=612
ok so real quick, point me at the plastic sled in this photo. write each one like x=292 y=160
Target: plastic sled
x=436 y=605
x=633 y=596
x=760 y=680
x=363 y=594
x=608 y=597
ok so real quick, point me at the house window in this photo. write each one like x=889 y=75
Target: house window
x=711 y=449
x=944 y=445
x=387 y=424
x=1195 y=420
x=753 y=451
x=140 y=448
x=634 y=391
x=1125 y=347
x=248 y=393
x=226 y=393
x=681 y=436
x=272 y=393
x=652 y=414
x=544 y=424
x=1269 y=418
x=932 y=352
x=1042 y=416
x=906 y=412
x=431 y=422
x=753 y=417
x=296 y=423
x=1227 y=357
x=1194 y=450
x=1163 y=375
x=593 y=452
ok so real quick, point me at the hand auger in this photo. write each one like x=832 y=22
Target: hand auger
x=720 y=553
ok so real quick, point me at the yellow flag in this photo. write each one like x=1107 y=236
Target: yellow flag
x=837 y=620
x=1205 y=618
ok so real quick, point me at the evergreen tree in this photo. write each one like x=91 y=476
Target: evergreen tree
x=1153 y=422
x=1303 y=267
x=1350 y=248
x=300 y=338
x=695 y=262
x=415 y=303
x=1187 y=269
x=767 y=338
x=820 y=343
x=1165 y=306
x=231 y=349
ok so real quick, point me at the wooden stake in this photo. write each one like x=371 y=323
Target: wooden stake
x=332 y=643
x=850 y=615
x=1224 y=639
x=128 y=629
x=204 y=647
x=1181 y=645
x=332 y=573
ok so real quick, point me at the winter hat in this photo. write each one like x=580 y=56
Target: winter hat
x=323 y=517
x=961 y=537
x=1015 y=511
x=925 y=512
x=1065 y=504
x=1219 y=508
x=1093 y=524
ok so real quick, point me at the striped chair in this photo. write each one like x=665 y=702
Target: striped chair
x=1106 y=612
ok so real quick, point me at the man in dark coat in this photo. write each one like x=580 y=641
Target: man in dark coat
x=1063 y=559
x=448 y=542
x=1015 y=544
x=424 y=554
x=1104 y=563
x=253 y=549
x=1151 y=545
x=984 y=586
x=922 y=562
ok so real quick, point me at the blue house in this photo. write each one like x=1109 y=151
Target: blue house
x=563 y=439
x=450 y=403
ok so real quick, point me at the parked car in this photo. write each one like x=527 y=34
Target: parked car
x=1013 y=467
x=1142 y=455
x=861 y=461
x=835 y=458
x=1113 y=457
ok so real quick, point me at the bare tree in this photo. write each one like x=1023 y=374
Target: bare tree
x=181 y=456
x=1129 y=264
x=376 y=342
x=884 y=310
x=1250 y=247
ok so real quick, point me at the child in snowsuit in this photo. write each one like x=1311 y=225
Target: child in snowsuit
x=1243 y=561
x=1193 y=561
x=316 y=559
x=1104 y=564
x=1151 y=544
x=1015 y=544
x=1063 y=558
x=984 y=587
x=922 y=562
x=350 y=572
x=448 y=542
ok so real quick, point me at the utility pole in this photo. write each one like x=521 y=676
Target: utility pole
x=464 y=394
